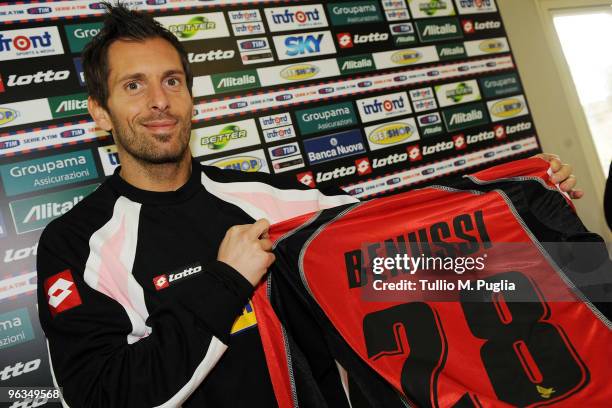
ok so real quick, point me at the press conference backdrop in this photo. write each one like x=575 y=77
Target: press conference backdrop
x=375 y=96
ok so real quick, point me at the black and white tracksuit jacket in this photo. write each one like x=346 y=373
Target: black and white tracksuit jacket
x=136 y=309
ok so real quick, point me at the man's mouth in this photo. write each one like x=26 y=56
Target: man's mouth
x=160 y=125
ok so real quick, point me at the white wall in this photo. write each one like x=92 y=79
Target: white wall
x=558 y=117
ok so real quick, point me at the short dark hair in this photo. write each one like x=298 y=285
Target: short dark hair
x=121 y=23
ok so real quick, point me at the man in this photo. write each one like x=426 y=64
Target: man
x=141 y=285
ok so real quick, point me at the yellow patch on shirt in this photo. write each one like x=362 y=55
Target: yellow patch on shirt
x=245 y=320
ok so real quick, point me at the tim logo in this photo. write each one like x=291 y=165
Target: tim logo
x=62 y=293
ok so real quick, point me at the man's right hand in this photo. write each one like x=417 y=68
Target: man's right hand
x=247 y=249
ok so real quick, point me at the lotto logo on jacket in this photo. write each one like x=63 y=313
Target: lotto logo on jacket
x=62 y=293
x=166 y=280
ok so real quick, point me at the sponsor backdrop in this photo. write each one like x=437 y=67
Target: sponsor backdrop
x=375 y=96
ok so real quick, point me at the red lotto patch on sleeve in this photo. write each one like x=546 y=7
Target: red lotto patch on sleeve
x=61 y=292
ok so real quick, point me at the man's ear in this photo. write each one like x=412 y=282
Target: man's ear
x=99 y=115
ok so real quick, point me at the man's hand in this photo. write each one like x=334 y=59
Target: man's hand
x=562 y=175
x=247 y=249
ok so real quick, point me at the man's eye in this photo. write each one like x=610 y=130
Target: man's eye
x=173 y=81
x=132 y=86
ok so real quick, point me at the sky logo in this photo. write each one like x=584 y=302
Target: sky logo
x=300 y=45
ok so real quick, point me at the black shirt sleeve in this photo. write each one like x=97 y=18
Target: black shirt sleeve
x=91 y=354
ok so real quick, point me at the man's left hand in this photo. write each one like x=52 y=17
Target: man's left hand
x=562 y=175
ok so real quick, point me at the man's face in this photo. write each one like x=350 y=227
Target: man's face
x=149 y=105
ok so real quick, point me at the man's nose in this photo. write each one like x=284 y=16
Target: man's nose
x=158 y=99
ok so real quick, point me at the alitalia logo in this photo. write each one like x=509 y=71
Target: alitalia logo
x=35 y=213
x=437 y=30
x=466 y=117
x=443 y=29
x=71 y=105
x=240 y=81
x=357 y=64
x=452 y=51
x=235 y=81
x=46 y=211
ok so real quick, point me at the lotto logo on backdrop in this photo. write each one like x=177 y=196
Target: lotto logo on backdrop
x=345 y=40
x=61 y=292
x=36 y=78
x=459 y=141
x=468 y=26
x=363 y=166
x=306 y=178
x=30 y=43
x=500 y=132
x=348 y=40
x=414 y=153
x=473 y=26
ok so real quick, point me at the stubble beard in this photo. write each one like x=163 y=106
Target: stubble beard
x=140 y=147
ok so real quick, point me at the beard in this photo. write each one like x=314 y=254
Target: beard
x=153 y=148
